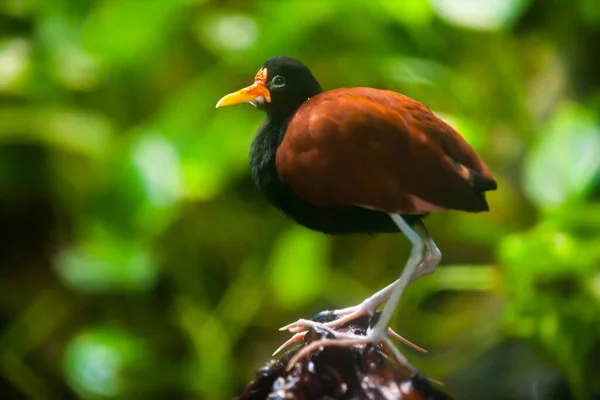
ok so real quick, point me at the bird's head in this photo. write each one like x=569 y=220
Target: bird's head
x=280 y=87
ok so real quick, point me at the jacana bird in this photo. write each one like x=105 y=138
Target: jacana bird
x=358 y=160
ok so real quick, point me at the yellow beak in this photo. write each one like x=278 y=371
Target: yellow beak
x=250 y=93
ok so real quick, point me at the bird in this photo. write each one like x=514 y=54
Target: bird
x=358 y=160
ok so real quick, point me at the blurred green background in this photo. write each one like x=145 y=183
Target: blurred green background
x=137 y=260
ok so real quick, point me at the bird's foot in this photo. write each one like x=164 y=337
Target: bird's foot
x=332 y=319
x=298 y=337
x=339 y=339
x=329 y=320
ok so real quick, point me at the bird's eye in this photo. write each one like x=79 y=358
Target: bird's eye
x=278 y=81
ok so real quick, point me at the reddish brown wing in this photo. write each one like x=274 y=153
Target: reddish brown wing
x=380 y=150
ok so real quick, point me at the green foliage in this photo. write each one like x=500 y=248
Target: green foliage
x=551 y=299
x=564 y=163
x=97 y=362
x=138 y=261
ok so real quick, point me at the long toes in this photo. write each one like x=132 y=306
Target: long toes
x=405 y=341
x=298 y=326
x=329 y=319
x=298 y=337
x=344 y=320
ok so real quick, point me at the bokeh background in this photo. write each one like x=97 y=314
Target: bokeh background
x=137 y=260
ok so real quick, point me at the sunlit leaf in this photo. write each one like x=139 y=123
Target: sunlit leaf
x=15 y=60
x=158 y=165
x=484 y=15
x=227 y=32
x=97 y=362
x=297 y=267
x=106 y=263
x=68 y=129
x=565 y=161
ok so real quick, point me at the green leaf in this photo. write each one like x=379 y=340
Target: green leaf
x=227 y=33
x=565 y=161
x=97 y=360
x=68 y=129
x=481 y=15
x=15 y=64
x=106 y=263
x=158 y=165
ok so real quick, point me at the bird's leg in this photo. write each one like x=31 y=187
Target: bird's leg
x=378 y=334
x=367 y=307
x=433 y=255
x=298 y=337
x=430 y=261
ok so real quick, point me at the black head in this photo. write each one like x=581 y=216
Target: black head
x=280 y=87
x=290 y=83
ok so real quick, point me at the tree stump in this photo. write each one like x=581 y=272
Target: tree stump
x=360 y=372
